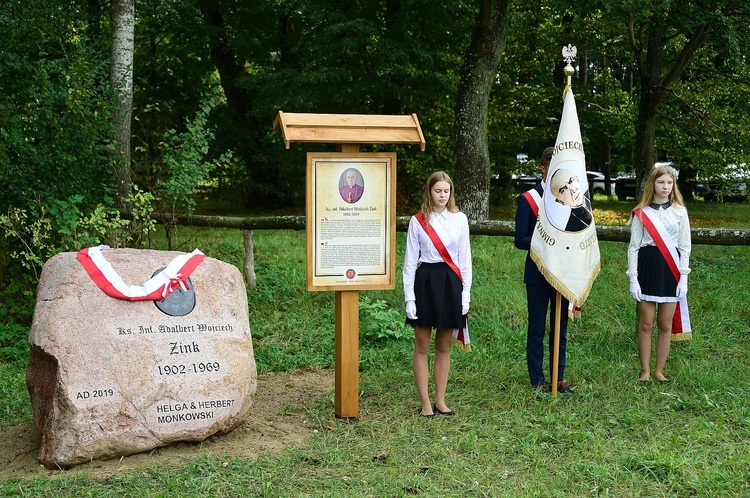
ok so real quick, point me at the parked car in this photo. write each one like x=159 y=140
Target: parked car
x=732 y=184
x=625 y=183
x=522 y=183
x=625 y=186
x=597 y=182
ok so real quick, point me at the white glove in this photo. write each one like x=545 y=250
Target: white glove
x=635 y=290
x=464 y=308
x=411 y=310
x=682 y=286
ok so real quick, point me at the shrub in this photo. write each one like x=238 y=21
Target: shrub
x=381 y=322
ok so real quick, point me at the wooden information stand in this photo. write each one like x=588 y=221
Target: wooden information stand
x=347 y=131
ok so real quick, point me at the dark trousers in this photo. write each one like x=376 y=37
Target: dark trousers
x=540 y=298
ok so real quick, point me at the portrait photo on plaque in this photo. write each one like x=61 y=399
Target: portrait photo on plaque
x=351 y=217
x=351 y=185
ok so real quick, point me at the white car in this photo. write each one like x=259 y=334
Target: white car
x=597 y=183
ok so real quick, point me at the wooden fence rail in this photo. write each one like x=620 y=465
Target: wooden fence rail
x=708 y=236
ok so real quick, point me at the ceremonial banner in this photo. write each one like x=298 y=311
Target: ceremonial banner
x=564 y=244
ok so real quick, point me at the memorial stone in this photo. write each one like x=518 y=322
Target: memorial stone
x=110 y=377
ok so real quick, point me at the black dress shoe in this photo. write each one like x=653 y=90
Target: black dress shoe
x=424 y=415
x=563 y=387
x=449 y=413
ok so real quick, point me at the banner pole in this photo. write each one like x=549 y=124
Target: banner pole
x=556 y=352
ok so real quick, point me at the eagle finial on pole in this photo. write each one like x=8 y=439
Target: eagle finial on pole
x=569 y=54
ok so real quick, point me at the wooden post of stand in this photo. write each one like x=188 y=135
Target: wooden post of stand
x=346 y=397
x=556 y=352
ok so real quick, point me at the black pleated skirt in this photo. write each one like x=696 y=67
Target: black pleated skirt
x=654 y=276
x=437 y=290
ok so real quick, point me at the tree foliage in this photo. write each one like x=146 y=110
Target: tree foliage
x=667 y=41
x=660 y=80
x=394 y=57
x=54 y=109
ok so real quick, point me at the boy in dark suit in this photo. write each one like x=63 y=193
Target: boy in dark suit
x=540 y=295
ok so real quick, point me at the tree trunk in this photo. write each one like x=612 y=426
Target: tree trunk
x=645 y=136
x=223 y=58
x=121 y=78
x=238 y=100
x=478 y=75
x=656 y=77
x=606 y=157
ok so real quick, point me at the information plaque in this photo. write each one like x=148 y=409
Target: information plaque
x=351 y=221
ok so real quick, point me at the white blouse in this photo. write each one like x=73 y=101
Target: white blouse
x=453 y=230
x=676 y=222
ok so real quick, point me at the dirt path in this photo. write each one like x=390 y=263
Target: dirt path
x=277 y=420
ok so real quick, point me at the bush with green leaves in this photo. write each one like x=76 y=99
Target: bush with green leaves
x=382 y=322
x=55 y=109
x=40 y=231
x=184 y=163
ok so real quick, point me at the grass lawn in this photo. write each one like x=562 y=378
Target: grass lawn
x=613 y=437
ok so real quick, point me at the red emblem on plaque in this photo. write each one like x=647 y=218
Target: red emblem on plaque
x=350 y=274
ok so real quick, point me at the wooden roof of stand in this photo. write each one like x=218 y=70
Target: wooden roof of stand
x=349 y=128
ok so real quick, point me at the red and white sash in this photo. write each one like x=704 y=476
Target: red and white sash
x=681 y=329
x=460 y=336
x=159 y=287
x=534 y=199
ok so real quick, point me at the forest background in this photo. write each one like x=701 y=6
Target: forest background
x=655 y=81
x=88 y=154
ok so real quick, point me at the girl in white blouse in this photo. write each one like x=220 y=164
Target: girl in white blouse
x=437 y=285
x=651 y=279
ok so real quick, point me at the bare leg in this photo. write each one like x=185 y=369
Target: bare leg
x=646 y=312
x=442 y=366
x=664 y=339
x=419 y=364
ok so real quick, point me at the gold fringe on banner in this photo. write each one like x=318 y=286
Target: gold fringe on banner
x=559 y=286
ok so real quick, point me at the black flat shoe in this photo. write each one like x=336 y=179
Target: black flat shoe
x=422 y=414
x=449 y=413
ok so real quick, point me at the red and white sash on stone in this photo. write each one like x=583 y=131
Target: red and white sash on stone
x=460 y=336
x=534 y=199
x=159 y=287
x=681 y=329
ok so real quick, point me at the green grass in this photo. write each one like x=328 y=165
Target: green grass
x=16 y=407
x=614 y=437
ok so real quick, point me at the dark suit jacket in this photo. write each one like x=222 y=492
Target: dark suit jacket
x=525 y=223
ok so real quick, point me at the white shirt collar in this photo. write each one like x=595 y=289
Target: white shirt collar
x=443 y=214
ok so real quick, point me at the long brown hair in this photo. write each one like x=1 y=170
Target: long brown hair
x=427 y=206
x=648 y=188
